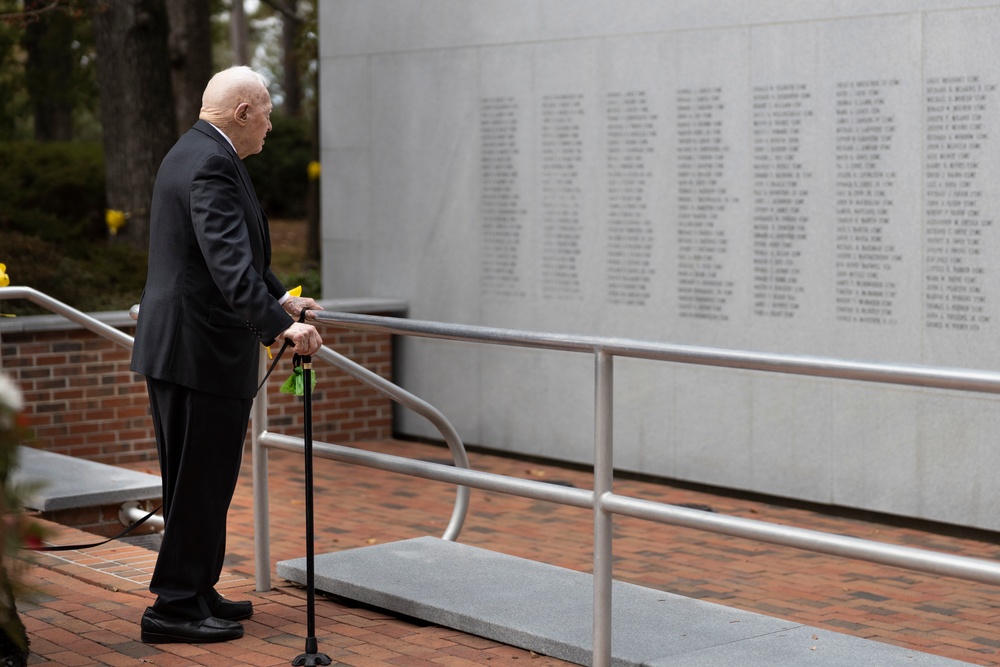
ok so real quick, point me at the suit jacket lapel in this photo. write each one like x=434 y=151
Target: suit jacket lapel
x=248 y=185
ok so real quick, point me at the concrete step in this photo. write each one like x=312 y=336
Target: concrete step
x=547 y=609
x=59 y=482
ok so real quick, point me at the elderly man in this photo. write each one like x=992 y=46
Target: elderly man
x=210 y=301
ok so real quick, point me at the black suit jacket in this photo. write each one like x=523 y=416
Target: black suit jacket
x=210 y=298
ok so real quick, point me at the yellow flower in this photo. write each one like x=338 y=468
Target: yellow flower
x=4 y=278
x=314 y=170
x=114 y=219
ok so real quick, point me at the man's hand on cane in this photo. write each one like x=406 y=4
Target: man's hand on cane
x=304 y=338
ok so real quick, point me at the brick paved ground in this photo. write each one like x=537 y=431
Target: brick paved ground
x=87 y=604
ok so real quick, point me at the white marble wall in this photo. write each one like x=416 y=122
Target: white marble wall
x=808 y=178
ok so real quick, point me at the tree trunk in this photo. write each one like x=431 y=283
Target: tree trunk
x=137 y=107
x=314 y=219
x=290 y=27
x=239 y=34
x=49 y=73
x=190 y=45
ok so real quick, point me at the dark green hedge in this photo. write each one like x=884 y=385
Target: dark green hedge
x=52 y=190
x=279 y=172
x=88 y=276
x=53 y=236
x=52 y=232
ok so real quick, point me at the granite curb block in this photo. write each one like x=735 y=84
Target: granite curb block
x=59 y=482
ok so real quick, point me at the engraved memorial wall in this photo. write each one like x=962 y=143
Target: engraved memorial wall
x=775 y=178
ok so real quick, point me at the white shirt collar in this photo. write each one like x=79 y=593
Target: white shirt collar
x=223 y=134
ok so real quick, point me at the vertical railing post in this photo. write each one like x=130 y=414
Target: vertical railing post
x=261 y=509
x=603 y=481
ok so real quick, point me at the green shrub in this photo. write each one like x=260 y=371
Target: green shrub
x=52 y=232
x=90 y=277
x=53 y=237
x=52 y=190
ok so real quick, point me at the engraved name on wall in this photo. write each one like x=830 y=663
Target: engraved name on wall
x=865 y=211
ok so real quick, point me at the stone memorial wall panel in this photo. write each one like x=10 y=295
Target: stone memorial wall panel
x=810 y=179
x=427 y=181
x=507 y=203
x=568 y=143
x=836 y=261
x=353 y=27
x=635 y=184
x=962 y=210
x=422 y=202
x=867 y=424
x=555 y=143
x=790 y=452
x=346 y=142
x=710 y=116
x=711 y=426
x=346 y=122
x=957 y=458
x=789 y=216
x=645 y=415
x=353 y=220
x=872 y=67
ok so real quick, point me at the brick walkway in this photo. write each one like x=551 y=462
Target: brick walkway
x=86 y=605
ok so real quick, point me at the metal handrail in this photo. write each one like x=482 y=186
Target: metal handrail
x=903 y=374
x=262 y=439
x=70 y=313
x=458 y=454
x=605 y=503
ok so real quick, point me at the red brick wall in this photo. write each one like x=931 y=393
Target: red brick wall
x=82 y=400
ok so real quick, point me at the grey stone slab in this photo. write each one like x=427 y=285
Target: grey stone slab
x=546 y=609
x=804 y=647
x=61 y=482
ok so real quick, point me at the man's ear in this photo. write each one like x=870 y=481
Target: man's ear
x=242 y=113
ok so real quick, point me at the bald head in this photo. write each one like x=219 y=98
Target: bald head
x=233 y=99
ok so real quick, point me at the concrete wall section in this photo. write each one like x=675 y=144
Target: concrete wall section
x=807 y=178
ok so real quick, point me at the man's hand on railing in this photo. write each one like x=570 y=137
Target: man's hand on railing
x=294 y=306
x=304 y=338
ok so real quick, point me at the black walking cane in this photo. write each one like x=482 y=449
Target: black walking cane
x=312 y=656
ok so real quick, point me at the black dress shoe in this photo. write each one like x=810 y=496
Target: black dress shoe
x=230 y=610
x=160 y=629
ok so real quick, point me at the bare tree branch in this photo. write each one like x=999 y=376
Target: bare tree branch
x=30 y=14
x=282 y=7
x=34 y=9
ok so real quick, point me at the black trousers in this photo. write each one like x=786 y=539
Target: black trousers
x=199 y=438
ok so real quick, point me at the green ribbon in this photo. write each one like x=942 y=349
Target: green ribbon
x=295 y=384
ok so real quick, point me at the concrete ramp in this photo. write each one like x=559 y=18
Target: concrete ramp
x=547 y=609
